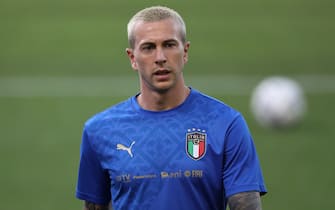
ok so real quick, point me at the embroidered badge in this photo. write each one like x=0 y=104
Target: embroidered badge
x=196 y=143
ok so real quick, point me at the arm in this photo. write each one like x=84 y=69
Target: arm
x=93 y=185
x=93 y=206
x=245 y=201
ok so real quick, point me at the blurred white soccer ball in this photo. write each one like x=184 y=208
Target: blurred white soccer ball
x=278 y=102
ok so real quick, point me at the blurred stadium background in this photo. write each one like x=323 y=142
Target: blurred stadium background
x=63 y=61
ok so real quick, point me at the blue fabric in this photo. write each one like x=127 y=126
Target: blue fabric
x=139 y=159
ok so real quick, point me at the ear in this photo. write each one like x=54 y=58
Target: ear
x=130 y=53
x=186 y=47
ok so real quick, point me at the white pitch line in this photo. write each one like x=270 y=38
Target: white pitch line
x=21 y=87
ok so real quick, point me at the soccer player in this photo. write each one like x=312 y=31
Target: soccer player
x=170 y=146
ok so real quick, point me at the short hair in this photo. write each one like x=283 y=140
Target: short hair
x=152 y=14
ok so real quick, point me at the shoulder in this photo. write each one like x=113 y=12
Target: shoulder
x=214 y=105
x=99 y=128
x=108 y=115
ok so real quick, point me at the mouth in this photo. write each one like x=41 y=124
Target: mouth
x=161 y=72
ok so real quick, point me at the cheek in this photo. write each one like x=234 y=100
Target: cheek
x=181 y=58
x=142 y=62
x=140 y=65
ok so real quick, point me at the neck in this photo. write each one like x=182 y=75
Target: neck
x=158 y=101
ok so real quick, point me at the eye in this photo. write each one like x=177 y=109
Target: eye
x=170 y=44
x=148 y=47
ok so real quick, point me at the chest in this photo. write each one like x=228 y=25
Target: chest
x=163 y=147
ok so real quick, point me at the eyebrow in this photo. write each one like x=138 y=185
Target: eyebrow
x=165 y=41
x=170 y=40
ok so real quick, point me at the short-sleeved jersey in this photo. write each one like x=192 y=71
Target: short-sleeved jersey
x=193 y=156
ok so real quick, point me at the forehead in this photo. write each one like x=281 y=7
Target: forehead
x=157 y=31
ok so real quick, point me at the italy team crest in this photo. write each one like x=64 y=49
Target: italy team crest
x=196 y=143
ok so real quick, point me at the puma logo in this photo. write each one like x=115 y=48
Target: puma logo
x=128 y=149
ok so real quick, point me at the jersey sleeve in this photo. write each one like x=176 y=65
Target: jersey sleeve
x=242 y=171
x=93 y=181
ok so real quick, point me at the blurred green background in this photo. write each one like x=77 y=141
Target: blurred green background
x=63 y=61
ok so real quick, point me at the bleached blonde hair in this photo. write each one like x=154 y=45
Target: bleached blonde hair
x=152 y=14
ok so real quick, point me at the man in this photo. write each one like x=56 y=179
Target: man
x=169 y=146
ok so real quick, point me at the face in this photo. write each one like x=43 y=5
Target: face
x=158 y=55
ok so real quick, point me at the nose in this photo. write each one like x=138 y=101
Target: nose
x=160 y=56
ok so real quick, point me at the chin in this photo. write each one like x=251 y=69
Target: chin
x=163 y=88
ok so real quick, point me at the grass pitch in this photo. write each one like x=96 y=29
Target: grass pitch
x=41 y=129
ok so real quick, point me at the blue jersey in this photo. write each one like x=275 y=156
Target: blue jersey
x=193 y=156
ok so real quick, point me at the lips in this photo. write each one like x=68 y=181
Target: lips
x=161 y=72
x=162 y=75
